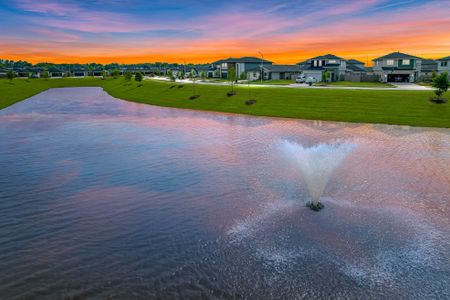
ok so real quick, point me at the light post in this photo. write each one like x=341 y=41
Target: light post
x=262 y=65
x=184 y=66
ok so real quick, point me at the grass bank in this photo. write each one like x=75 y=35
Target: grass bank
x=365 y=106
x=20 y=89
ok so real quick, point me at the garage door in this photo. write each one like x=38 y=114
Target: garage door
x=398 y=78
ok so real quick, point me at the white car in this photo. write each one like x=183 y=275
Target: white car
x=300 y=78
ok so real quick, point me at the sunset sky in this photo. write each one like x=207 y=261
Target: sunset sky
x=200 y=31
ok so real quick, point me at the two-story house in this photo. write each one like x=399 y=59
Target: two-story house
x=240 y=65
x=444 y=65
x=397 y=67
x=316 y=66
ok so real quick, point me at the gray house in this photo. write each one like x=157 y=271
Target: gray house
x=444 y=65
x=274 y=72
x=241 y=65
x=316 y=66
x=427 y=69
x=397 y=67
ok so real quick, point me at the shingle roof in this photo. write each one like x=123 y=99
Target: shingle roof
x=444 y=58
x=245 y=59
x=354 y=61
x=356 y=68
x=397 y=55
x=327 y=56
x=282 y=68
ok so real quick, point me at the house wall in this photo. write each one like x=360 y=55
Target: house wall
x=444 y=66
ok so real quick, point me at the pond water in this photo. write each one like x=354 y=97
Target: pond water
x=103 y=198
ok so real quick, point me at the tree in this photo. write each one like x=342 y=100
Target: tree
x=138 y=77
x=10 y=75
x=203 y=75
x=45 y=75
x=170 y=73
x=181 y=74
x=104 y=74
x=217 y=73
x=441 y=83
x=128 y=75
x=433 y=75
x=242 y=76
x=116 y=73
x=232 y=78
x=192 y=77
x=325 y=76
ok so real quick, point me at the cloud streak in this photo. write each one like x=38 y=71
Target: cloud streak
x=286 y=32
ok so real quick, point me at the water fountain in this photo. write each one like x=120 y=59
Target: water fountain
x=316 y=164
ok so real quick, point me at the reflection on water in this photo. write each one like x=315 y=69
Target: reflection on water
x=102 y=198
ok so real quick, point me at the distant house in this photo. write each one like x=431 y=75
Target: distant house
x=316 y=66
x=428 y=67
x=241 y=65
x=444 y=65
x=398 y=67
x=3 y=73
x=274 y=72
x=79 y=71
x=55 y=72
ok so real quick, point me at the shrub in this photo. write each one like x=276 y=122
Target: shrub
x=128 y=75
x=10 y=75
x=441 y=83
x=138 y=77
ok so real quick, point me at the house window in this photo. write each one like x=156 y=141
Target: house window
x=443 y=63
x=224 y=66
x=332 y=61
x=390 y=62
x=405 y=62
x=315 y=63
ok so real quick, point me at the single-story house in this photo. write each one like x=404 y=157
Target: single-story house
x=274 y=72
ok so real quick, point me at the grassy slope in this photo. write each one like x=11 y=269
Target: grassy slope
x=367 y=106
x=19 y=89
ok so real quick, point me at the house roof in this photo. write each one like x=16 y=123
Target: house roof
x=444 y=58
x=356 y=68
x=354 y=62
x=245 y=59
x=311 y=68
x=327 y=56
x=397 y=55
x=282 y=68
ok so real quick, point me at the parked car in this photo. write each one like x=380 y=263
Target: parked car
x=300 y=78
x=311 y=80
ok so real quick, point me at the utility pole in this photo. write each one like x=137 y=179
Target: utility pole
x=262 y=65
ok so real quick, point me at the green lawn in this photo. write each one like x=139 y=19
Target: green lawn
x=366 y=106
x=273 y=82
x=357 y=84
x=19 y=89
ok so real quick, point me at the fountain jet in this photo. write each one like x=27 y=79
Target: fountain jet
x=316 y=164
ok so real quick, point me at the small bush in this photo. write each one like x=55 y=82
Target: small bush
x=250 y=102
x=232 y=93
x=194 y=97
x=181 y=86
